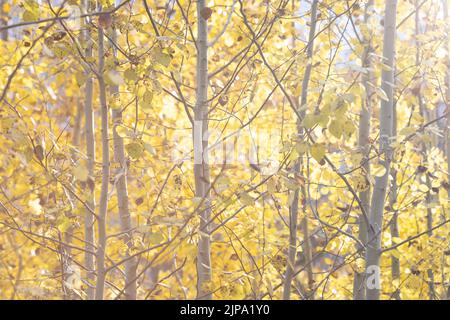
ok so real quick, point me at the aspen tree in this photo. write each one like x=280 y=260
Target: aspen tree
x=381 y=183
x=68 y=235
x=447 y=101
x=364 y=145
x=122 y=192
x=425 y=114
x=293 y=210
x=201 y=166
x=395 y=261
x=89 y=218
x=103 y=205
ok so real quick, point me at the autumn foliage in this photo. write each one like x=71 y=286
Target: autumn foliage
x=230 y=149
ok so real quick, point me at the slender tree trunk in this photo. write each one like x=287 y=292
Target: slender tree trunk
x=429 y=200
x=424 y=112
x=447 y=98
x=122 y=197
x=103 y=207
x=201 y=166
x=359 y=288
x=293 y=210
x=90 y=152
x=381 y=183
x=447 y=102
x=307 y=248
x=67 y=251
x=395 y=262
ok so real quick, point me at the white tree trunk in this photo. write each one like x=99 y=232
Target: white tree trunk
x=103 y=206
x=90 y=152
x=395 y=262
x=293 y=212
x=447 y=102
x=381 y=183
x=359 y=288
x=425 y=114
x=68 y=234
x=122 y=197
x=201 y=167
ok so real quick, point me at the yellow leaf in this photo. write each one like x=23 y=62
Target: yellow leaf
x=348 y=127
x=146 y=100
x=407 y=131
x=301 y=147
x=149 y=148
x=122 y=131
x=424 y=188
x=246 y=199
x=381 y=94
x=80 y=77
x=361 y=183
x=378 y=170
x=115 y=102
x=35 y=206
x=322 y=120
x=154 y=237
x=80 y=172
x=130 y=74
x=135 y=149
x=396 y=240
x=29 y=16
x=317 y=151
x=335 y=129
x=309 y=121
x=291 y=184
x=63 y=223
x=6 y=7
x=161 y=57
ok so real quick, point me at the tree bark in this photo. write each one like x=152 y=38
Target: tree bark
x=122 y=197
x=201 y=166
x=103 y=206
x=293 y=210
x=424 y=112
x=90 y=152
x=395 y=262
x=68 y=234
x=381 y=183
x=359 y=287
x=447 y=101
